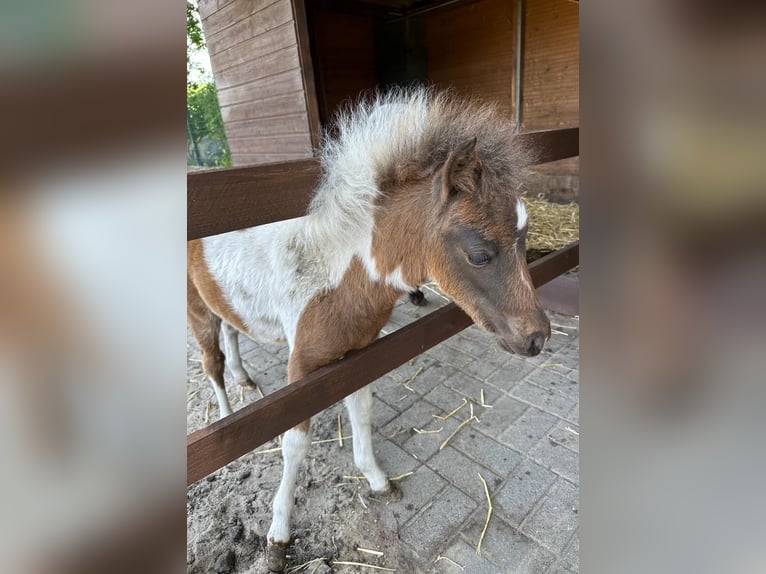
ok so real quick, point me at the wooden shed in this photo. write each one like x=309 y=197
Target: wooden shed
x=282 y=67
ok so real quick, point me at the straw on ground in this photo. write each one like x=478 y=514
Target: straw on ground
x=489 y=514
x=362 y=564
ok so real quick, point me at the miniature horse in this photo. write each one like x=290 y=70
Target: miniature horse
x=417 y=186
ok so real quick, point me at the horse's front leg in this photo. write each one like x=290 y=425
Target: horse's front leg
x=359 y=407
x=295 y=445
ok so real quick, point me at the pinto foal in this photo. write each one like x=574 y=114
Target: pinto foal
x=417 y=186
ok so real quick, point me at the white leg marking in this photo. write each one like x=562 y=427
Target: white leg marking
x=233 y=358
x=223 y=401
x=295 y=445
x=359 y=407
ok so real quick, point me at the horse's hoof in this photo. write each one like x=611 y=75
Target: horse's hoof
x=418 y=298
x=390 y=494
x=276 y=556
x=247 y=382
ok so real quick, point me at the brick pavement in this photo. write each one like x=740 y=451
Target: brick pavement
x=525 y=444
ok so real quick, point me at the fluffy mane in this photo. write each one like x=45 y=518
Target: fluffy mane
x=405 y=133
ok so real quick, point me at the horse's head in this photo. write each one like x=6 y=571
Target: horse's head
x=478 y=256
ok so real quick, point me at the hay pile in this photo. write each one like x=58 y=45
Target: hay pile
x=551 y=225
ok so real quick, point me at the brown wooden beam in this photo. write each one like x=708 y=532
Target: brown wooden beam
x=551 y=145
x=224 y=200
x=212 y=447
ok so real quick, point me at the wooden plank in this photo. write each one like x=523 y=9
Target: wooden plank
x=212 y=447
x=270 y=41
x=259 y=67
x=287 y=124
x=235 y=198
x=551 y=80
x=276 y=85
x=551 y=145
x=470 y=47
x=286 y=104
x=345 y=57
x=275 y=143
x=215 y=22
x=307 y=69
x=266 y=19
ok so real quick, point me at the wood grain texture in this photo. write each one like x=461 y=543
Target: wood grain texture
x=551 y=145
x=345 y=57
x=217 y=19
x=251 y=25
x=550 y=81
x=256 y=63
x=270 y=41
x=212 y=447
x=276 y=106
x=307 y=70
x=259 y=67
x=229 y=199
x=470 y=47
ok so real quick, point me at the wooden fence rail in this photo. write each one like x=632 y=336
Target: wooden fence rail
x=231 y=199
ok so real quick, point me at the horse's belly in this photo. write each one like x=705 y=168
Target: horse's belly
x=262 y=330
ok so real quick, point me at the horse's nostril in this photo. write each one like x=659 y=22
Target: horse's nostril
x=536 y=343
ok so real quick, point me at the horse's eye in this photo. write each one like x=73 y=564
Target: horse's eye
x=478 y=258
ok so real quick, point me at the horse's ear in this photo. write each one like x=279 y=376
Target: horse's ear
x=460 y=172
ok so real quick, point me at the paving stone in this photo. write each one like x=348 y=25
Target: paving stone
x=560 y=569
x=419 y=415
x=471 y=387
x=446 y=400
x=560 y=460
x=392 y=459
x=381 y=413
x=511 y=373
x=393 y=394
x=432 y=376
x=555 y=520
x=556 y=381
x=417 y=365
x=449 y=356
x=521 y=492
x=571 y=556
x=512 y=550
x=566 y=434
x=504 y=412
x=428 y=532
x=425 y=445
x=544 y=399
x=528 y=429
x=495 y=456
x=574 y=414
x=461 y=471
x=418 y=491
x=464 y=555
x=473 y=346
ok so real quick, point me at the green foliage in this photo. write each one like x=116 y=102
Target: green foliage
x=193 y=28
x=204 y=119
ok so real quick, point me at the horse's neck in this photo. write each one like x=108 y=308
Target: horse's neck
x=400 y=238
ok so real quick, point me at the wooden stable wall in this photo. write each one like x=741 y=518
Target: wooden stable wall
x=471 y=48
x=551 y=81
x=256 y=63
x=344 y=57
x=267 y=54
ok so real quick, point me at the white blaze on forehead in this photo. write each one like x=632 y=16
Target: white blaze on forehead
x=521 y=215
